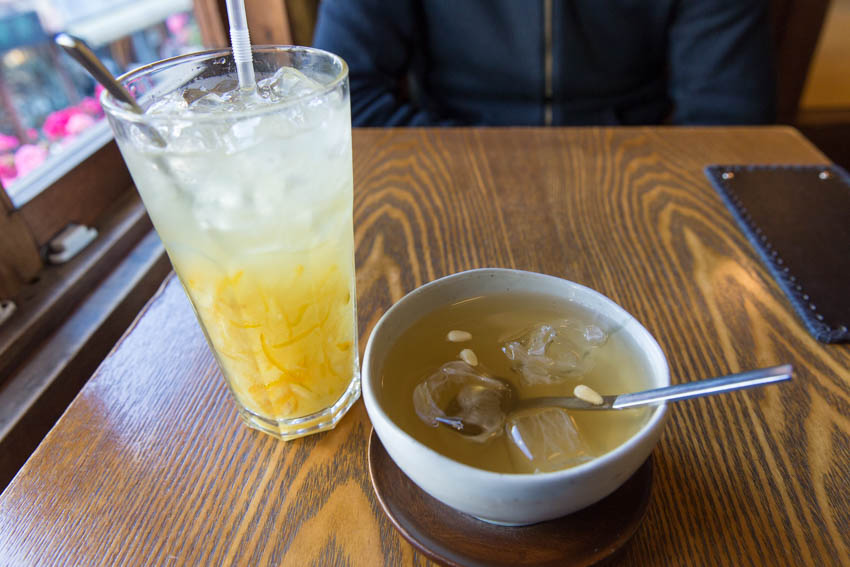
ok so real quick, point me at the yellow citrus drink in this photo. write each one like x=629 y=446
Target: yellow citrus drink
x=251 y=194
x=281 y=323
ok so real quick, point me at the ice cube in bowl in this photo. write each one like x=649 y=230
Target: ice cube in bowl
x=517 y=498
x=545 y=440
x=479 y=399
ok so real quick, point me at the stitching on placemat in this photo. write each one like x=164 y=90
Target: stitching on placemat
x=777 y=265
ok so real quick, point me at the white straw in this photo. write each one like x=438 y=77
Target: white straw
x=241 y=43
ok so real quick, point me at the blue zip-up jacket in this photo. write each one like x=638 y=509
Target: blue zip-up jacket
x=535 y=62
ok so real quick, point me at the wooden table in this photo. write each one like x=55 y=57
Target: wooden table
x=151 y=466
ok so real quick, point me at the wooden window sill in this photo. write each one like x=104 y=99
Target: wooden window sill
x=68 y=321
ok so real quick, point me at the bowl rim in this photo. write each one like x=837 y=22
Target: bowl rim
x=370 y=399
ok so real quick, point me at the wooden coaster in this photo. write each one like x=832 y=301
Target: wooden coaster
x=587 y=537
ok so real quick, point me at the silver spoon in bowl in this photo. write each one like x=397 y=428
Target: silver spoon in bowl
x=684 y=391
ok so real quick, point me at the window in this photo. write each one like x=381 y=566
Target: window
x=75 y=174
x=58 y=163
x=50 y=118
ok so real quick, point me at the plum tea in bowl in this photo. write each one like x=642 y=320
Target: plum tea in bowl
x=465 y=347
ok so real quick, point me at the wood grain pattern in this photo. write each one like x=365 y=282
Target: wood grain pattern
x=150 y=464
x=38 y=391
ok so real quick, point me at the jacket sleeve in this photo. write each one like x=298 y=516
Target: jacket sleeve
x=720 y=63
x=376 y=39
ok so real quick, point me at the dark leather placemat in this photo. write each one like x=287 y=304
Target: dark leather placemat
x=798 y=219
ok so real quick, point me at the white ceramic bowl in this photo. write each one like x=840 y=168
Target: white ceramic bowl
x=511 y=499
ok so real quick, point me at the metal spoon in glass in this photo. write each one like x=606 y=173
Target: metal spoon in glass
x=696 y=389
x=82 y=54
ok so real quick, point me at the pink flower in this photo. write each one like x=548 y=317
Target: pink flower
x=77 y=123
x=56 y=123
x=28 y=157
x=8 y=143
x=176 y=22
x=32 y=135
x=7 y=168
x=8 y=173
x=90 y=106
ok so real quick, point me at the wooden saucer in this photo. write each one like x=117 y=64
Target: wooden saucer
x=587 y=537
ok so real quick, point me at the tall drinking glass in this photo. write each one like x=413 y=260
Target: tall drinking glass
x=251 y=194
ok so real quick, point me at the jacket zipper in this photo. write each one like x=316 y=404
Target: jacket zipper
x=548 y=90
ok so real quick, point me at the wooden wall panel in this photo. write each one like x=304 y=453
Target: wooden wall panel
x=19 y=258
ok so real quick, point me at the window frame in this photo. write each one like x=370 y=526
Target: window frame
x=75 y=187
x=81 y=196
x=43 y=293
x=58 y=165
x=92 y=190
x=88 y=190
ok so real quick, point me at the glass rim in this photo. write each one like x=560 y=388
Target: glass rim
x=117 y=109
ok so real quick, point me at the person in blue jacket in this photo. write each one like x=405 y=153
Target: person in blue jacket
x=553 y=62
